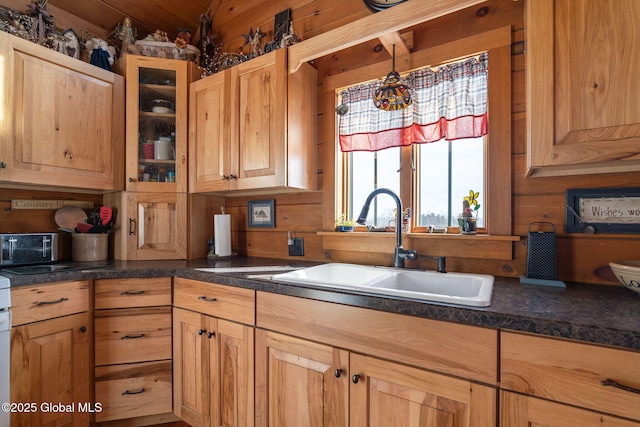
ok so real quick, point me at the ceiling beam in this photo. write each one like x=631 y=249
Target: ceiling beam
x=404 y=15
x=402 y=42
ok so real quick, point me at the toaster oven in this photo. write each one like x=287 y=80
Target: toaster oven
x=29 y=248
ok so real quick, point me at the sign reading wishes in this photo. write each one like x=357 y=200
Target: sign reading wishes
x=612 y=210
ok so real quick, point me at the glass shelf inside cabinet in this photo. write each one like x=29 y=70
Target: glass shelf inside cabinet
x=157 y=125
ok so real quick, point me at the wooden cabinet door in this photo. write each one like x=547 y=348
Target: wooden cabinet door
x=150 y=225
x=388 y=394
x=193 y=381
x=50 y=363
x=213 y=125
x=517 y=410
x=157 y=106
x=582 y=109
x=233 y=403
x=64 y=119
x=262 y=99
x=300 y=383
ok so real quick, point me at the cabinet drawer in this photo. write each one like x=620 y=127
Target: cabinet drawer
x=227 y=302
x=124 y=293
x=571 y=372
x=132 y=335
x=134 y=390
x=41 y=302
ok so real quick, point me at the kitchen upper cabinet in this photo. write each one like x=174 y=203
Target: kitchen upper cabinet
x=62 y=119
x=583 y=114
x=573 y=375
x=149 y=225
x=157 y=121
x=253 y=127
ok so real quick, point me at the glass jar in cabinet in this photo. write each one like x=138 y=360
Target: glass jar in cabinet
x=157 y=123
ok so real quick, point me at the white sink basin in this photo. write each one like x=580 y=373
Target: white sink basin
x=456 y=288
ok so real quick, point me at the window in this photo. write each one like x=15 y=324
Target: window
x=436 y=174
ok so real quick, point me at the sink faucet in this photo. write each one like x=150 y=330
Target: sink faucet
x=400 y=253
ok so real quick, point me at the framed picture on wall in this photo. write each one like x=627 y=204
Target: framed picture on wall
x=261 y=214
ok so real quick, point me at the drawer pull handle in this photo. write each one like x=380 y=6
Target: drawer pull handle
x=203 y=298
x=126 y=392
x=131 y=293
x=612 y=383
x=41 y=303
x=131 y=337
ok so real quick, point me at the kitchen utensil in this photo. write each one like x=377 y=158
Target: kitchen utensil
x=586 y=228
x=69 y=216
x=105 y=215
x=83 y=227
x=627 y=273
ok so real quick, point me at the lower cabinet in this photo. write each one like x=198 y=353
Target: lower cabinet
x=213 y=356
x=332 y=365
x=133 y=376
x=333 y=387
x=384 y=393
x=50 y=355
x=566 y=373
x=300 y=383
x=519 y=410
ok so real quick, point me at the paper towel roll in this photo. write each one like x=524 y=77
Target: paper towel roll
x=222 y=234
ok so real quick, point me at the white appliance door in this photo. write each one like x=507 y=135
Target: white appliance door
x=5 y=332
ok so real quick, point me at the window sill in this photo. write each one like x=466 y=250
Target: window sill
x=480 y=246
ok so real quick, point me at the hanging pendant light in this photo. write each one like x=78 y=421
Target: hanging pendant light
x=393 y=94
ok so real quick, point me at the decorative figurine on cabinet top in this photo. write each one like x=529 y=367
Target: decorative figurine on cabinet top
x=72 y=43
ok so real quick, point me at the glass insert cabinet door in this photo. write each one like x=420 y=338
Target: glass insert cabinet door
x=156 y=124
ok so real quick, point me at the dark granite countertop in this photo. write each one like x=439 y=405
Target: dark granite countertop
x=608 y=315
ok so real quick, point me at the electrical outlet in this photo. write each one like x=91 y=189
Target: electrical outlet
x=297 y=248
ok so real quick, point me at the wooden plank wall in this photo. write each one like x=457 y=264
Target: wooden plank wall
x=582 y=258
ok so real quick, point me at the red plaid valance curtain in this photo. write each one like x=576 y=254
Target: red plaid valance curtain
x=449 y=102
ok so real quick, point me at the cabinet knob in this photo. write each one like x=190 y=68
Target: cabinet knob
x=132 y=179
x=338 y=373
x=211 y=334
x=225 y=177
x=83 y=329
x=232 y=176
x=201 y=331
x=3 y=165
x=355 y=378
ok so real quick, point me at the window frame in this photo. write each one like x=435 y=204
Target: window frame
x=498 y=151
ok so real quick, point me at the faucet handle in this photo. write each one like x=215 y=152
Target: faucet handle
x=410 y=254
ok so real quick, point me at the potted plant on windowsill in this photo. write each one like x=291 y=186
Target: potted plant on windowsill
x=343 y=224
x=466 y=221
